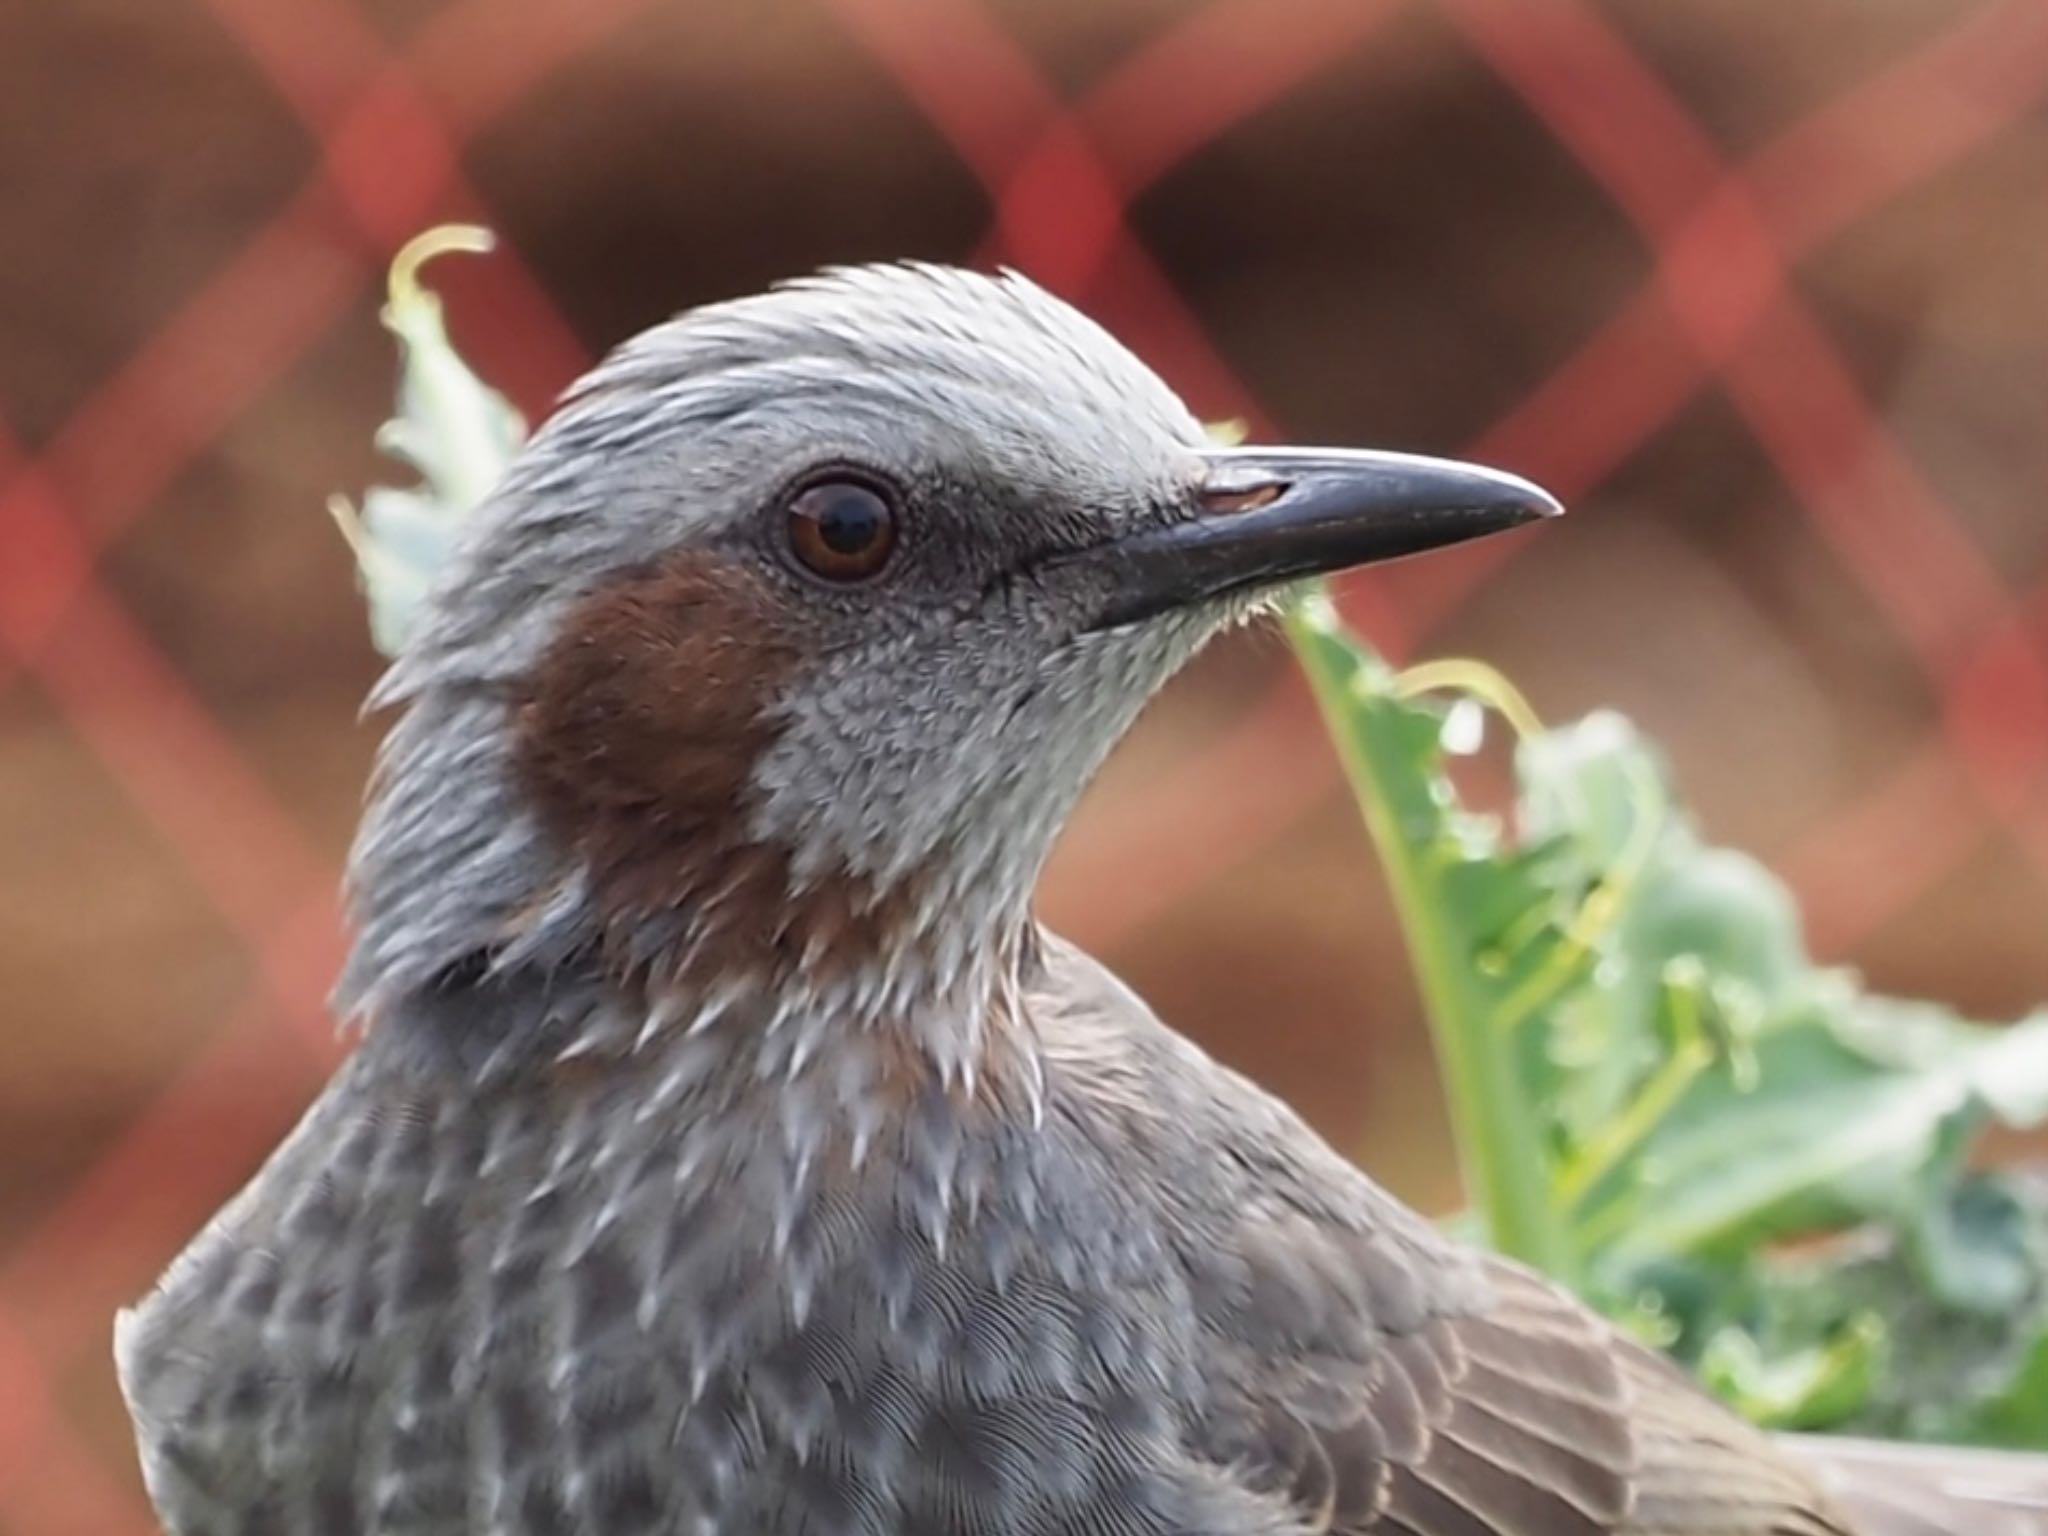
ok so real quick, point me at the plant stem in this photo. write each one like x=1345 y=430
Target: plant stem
x=1632 y=1128
x=1505 y=1165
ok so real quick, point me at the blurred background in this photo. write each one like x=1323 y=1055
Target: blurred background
x=1759 y=288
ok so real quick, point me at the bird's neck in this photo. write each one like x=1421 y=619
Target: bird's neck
x=714 y=1020
x=880 y=1015
x=723 y=1062
x=739 y=1042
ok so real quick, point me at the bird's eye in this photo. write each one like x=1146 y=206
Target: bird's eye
x=842 y=530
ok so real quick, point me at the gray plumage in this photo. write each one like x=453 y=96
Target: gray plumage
x=666 y=1213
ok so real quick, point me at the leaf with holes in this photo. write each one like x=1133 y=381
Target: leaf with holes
x=455 y=431
x=1651 y=1082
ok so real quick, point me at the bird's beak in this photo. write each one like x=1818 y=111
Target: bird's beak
x=1270 y=515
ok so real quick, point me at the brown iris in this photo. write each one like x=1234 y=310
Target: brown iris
x=842 y=529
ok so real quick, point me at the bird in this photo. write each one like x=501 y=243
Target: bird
x=726 y=1147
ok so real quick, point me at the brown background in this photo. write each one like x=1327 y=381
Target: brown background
x=1760 y=287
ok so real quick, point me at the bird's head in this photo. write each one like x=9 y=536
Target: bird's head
x=783 y=651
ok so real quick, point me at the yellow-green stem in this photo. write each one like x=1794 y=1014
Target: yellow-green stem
x=1505 y=1165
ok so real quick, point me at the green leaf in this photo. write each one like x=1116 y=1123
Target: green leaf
x=1807 y=1388
x=2016 y=1414
x=1949 y=1371
x=1484 y=925
x=1829 y=1133
x=1659 y=1098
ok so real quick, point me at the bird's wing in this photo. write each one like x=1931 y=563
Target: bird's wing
x=1930 y=1490
x=1380 y=1378
x=1528 y=1417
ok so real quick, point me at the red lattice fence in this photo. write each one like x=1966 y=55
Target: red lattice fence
x=1717 y=311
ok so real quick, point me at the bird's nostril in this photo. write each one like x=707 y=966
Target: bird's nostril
x=1221 y=503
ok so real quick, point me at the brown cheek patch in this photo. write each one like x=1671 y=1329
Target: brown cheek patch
x=637 y=740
